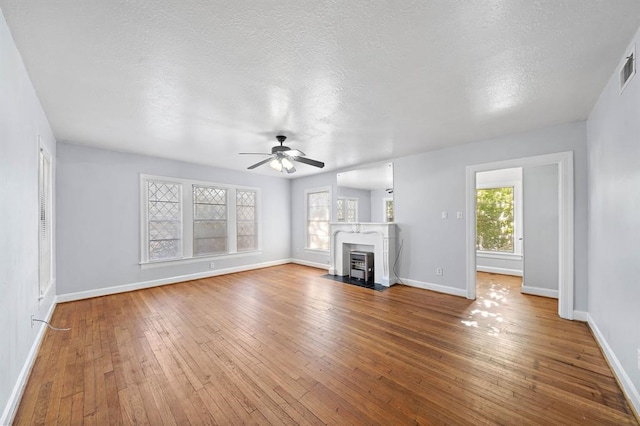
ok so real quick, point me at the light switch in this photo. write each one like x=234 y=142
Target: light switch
x=459 y=215
x=444 y=215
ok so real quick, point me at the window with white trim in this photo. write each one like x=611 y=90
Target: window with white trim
x=209 y=220
x=347 y=209
x=318 y=217
x=186 y=219
x=246 y=219
x=164 y=220
x=45 y=240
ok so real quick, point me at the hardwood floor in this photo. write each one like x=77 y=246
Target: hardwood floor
x=283 y=345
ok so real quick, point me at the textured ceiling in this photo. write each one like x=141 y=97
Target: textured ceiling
x=348 y=82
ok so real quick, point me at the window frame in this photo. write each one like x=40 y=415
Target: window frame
x=517 y=219
x=45 y=283
x=187 y=210
x=327 y=189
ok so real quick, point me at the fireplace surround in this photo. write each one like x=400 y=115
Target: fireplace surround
x=378 y=238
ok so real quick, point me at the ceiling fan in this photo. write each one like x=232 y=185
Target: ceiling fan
x=281 y=158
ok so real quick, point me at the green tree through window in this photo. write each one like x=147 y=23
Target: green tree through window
x=495 y=219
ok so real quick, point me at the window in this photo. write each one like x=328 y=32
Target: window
x=45 y=240
x=164 y=227
x=388 y=210
x=495 y=219
x=186 y=219
x=209 y=220
x=347 y=209
x=318 y=217
x=246 y=219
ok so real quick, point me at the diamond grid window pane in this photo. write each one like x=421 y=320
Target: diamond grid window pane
x=246 y=213
x=246 y=219
x=210 y=220
x=166 y=249
x=340 y=209
x=164 y=220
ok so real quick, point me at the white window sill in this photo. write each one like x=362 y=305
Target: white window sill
x=498 y=255
x=202 y=259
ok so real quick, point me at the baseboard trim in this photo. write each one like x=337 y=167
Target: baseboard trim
x=580 y=316
x=311 y=264
x=625 y=382
x=69 y=297
x=434 y=287
x=537 y=291
x=501 y=271
x=18 y=389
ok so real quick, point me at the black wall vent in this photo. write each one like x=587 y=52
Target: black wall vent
x=628 y=69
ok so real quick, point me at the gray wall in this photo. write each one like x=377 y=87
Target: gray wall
x=432 y=182
x=427 y=184
x=614 y=221
x=377 y=205
x=99 y=217
x=541 y=234
x=21 y=120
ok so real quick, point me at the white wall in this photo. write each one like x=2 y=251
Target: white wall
x=541 y=231
x=21 y=121
x=614 y=225
x=99 y=217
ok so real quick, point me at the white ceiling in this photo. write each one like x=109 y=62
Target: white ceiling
x=377 y=176
x=348 y=82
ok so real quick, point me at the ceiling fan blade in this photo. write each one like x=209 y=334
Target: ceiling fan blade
x=254 y=153
x=260 y=163
x=294 y=153
x=309 y=161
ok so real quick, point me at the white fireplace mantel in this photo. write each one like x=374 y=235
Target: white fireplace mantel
x=378 y=238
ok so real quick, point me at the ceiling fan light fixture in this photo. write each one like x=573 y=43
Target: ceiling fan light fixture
x=286 y=164
x=276 y=164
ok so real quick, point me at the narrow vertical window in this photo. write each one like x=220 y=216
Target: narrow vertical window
x=246 y=219
x=209 y=220
x=318 y=216
x=164 y=220
x=388 y=210
x=45 y=241
x=340 y=210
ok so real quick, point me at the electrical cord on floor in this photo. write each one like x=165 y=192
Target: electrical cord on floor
x=50 y=326
x=395 y=264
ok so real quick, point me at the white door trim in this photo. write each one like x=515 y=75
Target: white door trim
x=564 y=160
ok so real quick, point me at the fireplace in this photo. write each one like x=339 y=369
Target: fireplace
x=377 y=238
x=361 y=265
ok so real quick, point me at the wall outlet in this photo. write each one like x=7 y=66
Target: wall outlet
x=32 y=321
x=438 y=271
x=212 y=265
x=459 y=215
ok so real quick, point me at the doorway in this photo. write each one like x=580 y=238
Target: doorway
x=564 y=163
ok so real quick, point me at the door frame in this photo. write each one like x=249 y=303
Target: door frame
x=564 y=160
